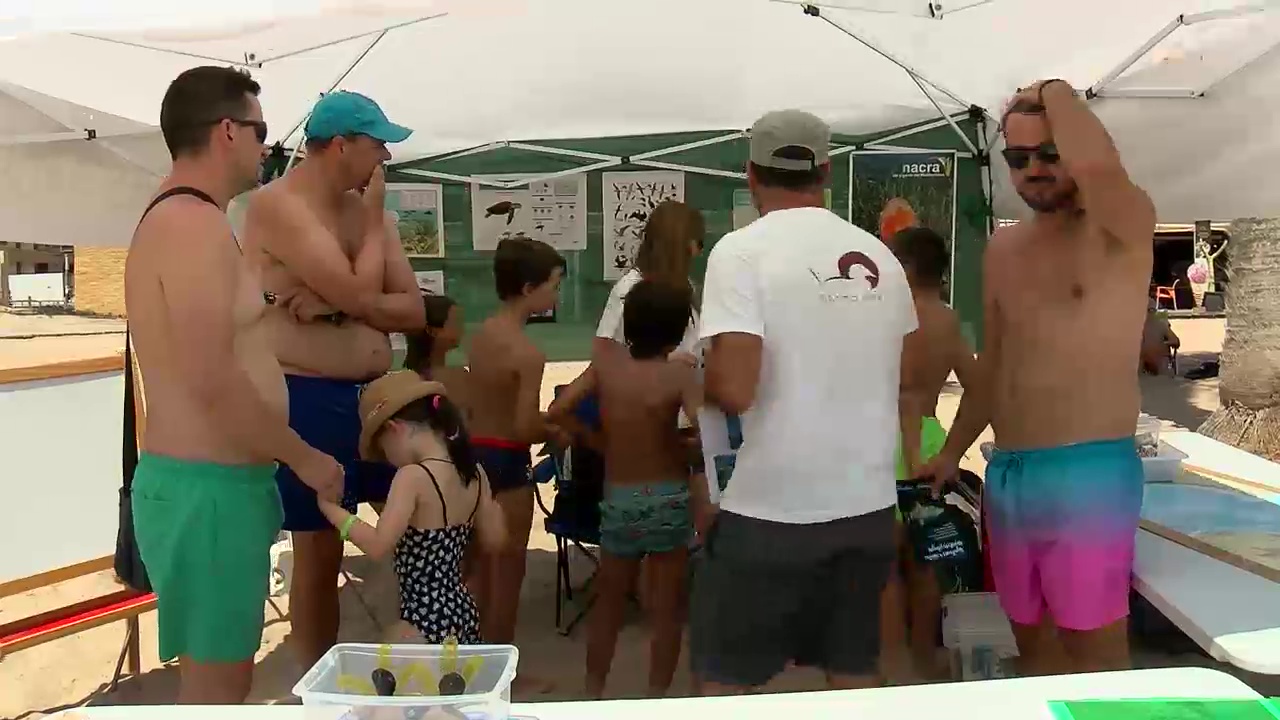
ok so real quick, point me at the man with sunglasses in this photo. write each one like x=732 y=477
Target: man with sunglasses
x=339 y=283
x=204 y=500
x=1064 y=488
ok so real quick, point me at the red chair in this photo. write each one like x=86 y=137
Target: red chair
x=1169 y=292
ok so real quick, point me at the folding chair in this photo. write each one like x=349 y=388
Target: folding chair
x=578 y=476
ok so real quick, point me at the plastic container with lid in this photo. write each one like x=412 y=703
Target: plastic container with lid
x=327 y=690
x=1147 y=435
x=978 y=637
x=1165 y=467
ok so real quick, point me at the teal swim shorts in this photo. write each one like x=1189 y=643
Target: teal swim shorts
x=205 y=532
x=639 y=520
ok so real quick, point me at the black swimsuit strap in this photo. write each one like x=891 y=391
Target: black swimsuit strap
x=443 y=508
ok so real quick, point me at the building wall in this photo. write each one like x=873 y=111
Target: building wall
x=99 y=280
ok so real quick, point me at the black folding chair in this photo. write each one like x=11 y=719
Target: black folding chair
x=577 y=473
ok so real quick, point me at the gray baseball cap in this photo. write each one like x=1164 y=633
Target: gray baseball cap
x=790 y=129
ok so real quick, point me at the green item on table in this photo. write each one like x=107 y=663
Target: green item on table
x=1165 y=709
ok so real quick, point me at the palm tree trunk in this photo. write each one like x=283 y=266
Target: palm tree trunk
x=1249 y=382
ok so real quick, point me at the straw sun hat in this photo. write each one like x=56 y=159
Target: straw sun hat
x=383 y=398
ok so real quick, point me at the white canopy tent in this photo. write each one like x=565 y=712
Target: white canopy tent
x=1187 y=89
x=467 y=74
x=61 y=187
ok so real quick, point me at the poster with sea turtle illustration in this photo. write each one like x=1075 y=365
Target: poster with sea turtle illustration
x=629 y=198
x=418 y=213
x=553 y=211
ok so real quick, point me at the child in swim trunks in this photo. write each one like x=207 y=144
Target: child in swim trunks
x=503 y=394
x=943 y=349
x=439 y=499
x=646 y=512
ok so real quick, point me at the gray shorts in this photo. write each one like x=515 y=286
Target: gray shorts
x=765 y=593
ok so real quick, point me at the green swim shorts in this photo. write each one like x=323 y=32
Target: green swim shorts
x=205 y=532
x=932 y=437
x=638 y=520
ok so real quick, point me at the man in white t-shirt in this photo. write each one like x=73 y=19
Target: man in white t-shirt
x=803 y=317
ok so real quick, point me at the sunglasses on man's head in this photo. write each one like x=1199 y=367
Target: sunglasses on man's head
x=1019 y=158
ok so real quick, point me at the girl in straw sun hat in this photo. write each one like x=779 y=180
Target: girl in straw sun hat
x=439 y=495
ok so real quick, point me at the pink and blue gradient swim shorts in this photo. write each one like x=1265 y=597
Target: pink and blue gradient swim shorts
x=1062 y=524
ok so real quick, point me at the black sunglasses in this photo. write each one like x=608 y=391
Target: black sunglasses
x=259 y=127
x=1019 y=158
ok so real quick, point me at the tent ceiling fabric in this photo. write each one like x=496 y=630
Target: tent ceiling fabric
x=73 y=192
x=525 y=69
x=1200 y=158
x=515 y=69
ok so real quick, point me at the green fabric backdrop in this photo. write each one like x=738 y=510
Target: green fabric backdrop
x=468 y=273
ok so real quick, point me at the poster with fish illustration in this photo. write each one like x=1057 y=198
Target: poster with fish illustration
x=418 y=212
x=553 y=211
x=897 y=187
x=628 y=199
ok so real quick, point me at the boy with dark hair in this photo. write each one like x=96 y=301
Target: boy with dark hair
x=506 y=382
x=645 y=513
x=941 y=348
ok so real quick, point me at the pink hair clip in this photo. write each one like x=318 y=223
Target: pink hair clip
x=435 y=402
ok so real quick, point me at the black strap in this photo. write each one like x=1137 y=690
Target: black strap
x=128 y=558
x=444 y=509
x=129 y=454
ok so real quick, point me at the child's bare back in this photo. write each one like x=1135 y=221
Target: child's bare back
x=945 y=349
x=640 y=401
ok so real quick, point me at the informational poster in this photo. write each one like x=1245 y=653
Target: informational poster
x=628 y=199
x=418 y=212
x=744 y=210
x=553 y=211
x=926 y=181
x=430 y=281
x=721 y=438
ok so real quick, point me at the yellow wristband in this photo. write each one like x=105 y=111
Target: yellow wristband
x=344 y=531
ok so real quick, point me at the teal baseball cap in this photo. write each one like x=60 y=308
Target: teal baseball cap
x=349 y=113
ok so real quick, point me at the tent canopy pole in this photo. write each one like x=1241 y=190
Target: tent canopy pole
x=1186 y=19
x=916 y=77
x=811 y=9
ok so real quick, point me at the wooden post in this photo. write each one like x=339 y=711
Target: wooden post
x=135 y=647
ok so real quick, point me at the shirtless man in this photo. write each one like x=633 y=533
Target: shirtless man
x=205 y=506
x=646 y=511
x=505 y=386
x=938 y=347
x=340 y=284
x=1064 y=489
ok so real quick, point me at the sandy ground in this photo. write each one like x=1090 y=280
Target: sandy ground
x=73 y=670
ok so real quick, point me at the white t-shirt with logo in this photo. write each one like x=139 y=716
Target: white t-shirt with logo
x=831 y=304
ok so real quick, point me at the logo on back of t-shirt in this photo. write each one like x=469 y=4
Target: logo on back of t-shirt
x=856 y=279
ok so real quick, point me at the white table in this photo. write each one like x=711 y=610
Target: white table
x=1020 y=699
x=1233 y=614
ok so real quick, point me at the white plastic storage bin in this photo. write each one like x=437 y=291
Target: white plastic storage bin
x=1166 y=467
x=977 y=636
x=487 y=696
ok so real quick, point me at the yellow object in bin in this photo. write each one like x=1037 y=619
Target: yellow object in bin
x=415 y=678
